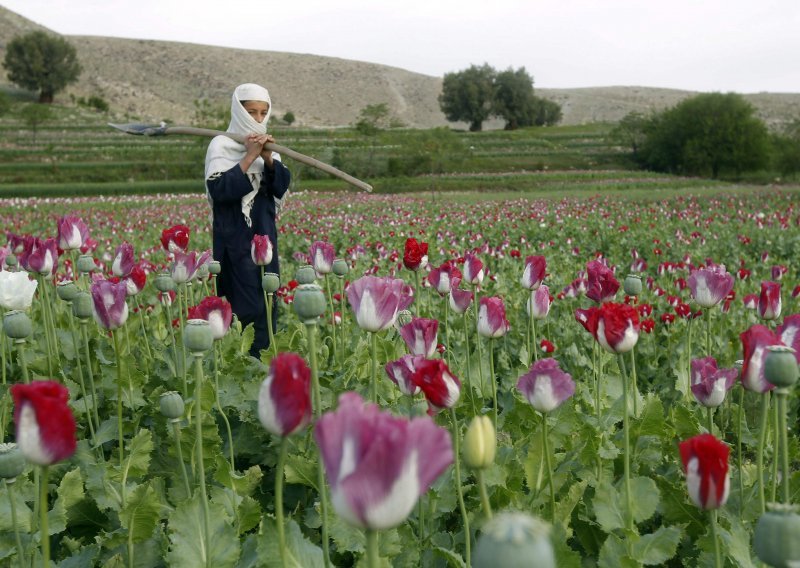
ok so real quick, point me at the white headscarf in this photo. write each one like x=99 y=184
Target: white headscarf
x=224 y=153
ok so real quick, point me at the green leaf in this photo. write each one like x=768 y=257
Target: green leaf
x=658 y=547
x=186 y=536
x=614 y=553
x=300 y=469
x=566 y=504
x=141 y=513
x=737 y=543
x=70 y=492
x=301 y=552
x=608 y=505
x=245 y=483
x=453 y=559
x=137 y=458
x=644 y=498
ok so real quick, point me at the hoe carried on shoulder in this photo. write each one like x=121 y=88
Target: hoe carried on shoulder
x=152 y=130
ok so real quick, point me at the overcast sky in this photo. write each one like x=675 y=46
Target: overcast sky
x=703 y=45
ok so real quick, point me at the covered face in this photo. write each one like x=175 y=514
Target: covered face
x=242 y=121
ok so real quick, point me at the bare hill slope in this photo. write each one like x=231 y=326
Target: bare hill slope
x=159 y=80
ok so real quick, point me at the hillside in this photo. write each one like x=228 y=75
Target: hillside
x=159 y=80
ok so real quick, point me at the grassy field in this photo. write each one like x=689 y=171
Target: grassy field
x=76 y=154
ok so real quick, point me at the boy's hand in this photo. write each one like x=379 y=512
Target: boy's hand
x=267 y=154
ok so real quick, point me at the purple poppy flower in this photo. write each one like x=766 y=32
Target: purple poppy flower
x=539 y=304
x=284 y=401
x=420 y=336
x=459 y=299
x=401 y=373
x=789 y=333
x=535 y=269
x=754 y=346
x=492 y=320
x=72 y=232
x=709 y=286
x=769 y=302
x=546 y=386
x=710 y=384
x=43 y=257
x=473 y=270
x=441 y=279
x=123 y=260
x=377 y=464
x=376 y=301
x=261 y=250
x=185 y=265
x=602 y=285
x=108 y=302
x=322 y=255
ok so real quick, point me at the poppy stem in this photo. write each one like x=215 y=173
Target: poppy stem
x=176 y=429
x=201 y=472
x=89 y=418
x=783 y=396
x=220 y=409
x=373 y=554
x=332 y=318
x=535 y=346
x=144 y=330
x=279 y=498
x=717 y=557
x=626 y=451
x=487 y=507
x=21 y=556
x=459 y=489
x=373 y=384
x=548 y=467
x=171 y=329
x=44 y=532
x=23 y=363
x=776 y=421
x=634 y=385
x=739 y=451
x=762 y=438
x=311 y=328
x=469 y=366
x=89 y=371
x=494 y=381
x=119 y=398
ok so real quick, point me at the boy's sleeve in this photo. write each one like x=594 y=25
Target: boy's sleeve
x=229 y=186
x=275 y=182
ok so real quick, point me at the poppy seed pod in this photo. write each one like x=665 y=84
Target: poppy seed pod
x=164 y=283
x=12 y=462
x=777 y=536
x=17 y=324
x=214 y=267
x=780 y=366
x=632 y=285
x=309 y=302
x=305 y=274
x=514 y=540
x=480 y=443
x=85 y=264
x=197 y=336
x=340 y=267
x=82 y=305
x=67 y=290
x=171 y=405
x=270 y=282
x=11 y=260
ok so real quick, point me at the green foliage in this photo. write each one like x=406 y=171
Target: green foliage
x=5 y=103
x=467 y=95
x=372 y=119
x=42 y=62
x=631 y=132
x=34 y=115
x=786 y=150
x=208 y=115
x=513 y=99
x=706 y=135
x=289 y=118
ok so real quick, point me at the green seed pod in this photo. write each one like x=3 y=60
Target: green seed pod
x=171 y=405
x=340 y=267
x=164 y=283
x=17 y=324
x=514 y=540
x=67 y=290
x=309 y=303
x=214 y=267
x=777 y=536
x=85 y=264
x=197 y=336
x=12 y=462
x=270 y=282
x=202 y=273
x=82 y=305
x=480 y=443
x=305 y=274
x=11 y=260
x=632 y=285
x=780 y=366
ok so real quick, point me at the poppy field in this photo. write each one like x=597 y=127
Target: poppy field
x=584 y=381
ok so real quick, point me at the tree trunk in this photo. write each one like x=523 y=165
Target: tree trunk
x=46 y=97
x=476 y=126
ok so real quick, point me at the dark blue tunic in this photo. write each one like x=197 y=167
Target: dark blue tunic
x=240 y=279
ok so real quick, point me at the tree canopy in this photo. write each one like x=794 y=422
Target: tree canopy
x=478 y=93
x=705 y=135
x=41 y=62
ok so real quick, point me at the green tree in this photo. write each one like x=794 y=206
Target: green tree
x=288 y=118
x=41 y=62
x=467 y=95
x=546 y=112
x=631 y=132
x=513 y=99
x=35 y=114
x=786 y=150
x=707 y=134
x=372 y=119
